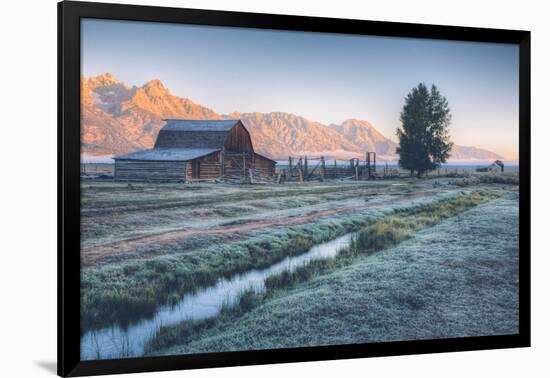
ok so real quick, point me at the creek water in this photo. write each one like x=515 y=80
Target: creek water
x=118 y=342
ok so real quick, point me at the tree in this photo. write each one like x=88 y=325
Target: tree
x=424 y=140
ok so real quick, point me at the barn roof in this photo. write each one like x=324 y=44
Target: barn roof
x=264 y=157
x=185 y=133
x=199 y=124
x=168 y=154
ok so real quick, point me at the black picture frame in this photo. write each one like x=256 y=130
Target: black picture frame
x=69 y=15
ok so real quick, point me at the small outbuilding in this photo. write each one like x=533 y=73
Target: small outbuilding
x=196 y=150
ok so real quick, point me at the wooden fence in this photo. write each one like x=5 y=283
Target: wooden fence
x=307 y=168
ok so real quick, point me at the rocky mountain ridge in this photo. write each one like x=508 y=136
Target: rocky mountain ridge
x=117 y=118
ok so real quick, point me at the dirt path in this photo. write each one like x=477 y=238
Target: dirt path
x=202 y=199
x=92 y=255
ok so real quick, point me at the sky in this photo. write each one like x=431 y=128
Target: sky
x=324 y=77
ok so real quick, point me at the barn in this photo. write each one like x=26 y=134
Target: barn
x=196 y=150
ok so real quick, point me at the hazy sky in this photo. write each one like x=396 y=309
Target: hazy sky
x=323 y=77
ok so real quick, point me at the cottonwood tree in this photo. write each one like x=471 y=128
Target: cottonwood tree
x=424 y=140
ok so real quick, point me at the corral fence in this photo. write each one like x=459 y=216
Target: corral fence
x=239 y=168
x=312 y=168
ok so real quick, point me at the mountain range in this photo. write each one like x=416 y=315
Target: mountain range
x=117 y=118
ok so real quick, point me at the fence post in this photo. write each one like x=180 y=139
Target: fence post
x=368 y=165
x=222 y=162
x=305 y=167
x=244 y=164
x=289 y=167
x=322 y=168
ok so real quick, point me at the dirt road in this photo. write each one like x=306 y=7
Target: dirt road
x=92 y=255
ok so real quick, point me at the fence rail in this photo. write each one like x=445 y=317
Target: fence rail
x=307 y=168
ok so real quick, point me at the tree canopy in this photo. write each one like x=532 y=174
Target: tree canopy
x=424 y=140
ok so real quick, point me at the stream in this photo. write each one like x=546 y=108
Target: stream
x=118 y=342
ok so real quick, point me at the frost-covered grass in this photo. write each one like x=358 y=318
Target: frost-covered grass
x=113 y=212
x=376 y=235
x=385 y=232
x=458 y=278
x=492 y=178
x=394 y=229
x=130 y=290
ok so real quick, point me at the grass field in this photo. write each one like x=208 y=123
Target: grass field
x=144 y=246
x=458 y=278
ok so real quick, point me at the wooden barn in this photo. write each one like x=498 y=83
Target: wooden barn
x=196 y=150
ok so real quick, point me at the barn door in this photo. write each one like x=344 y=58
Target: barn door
x=196 y=169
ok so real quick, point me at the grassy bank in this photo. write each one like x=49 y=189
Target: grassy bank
x=132 y=290
x=375 y=235
x=504 y=179
x=383 y=233
x=393 y=229
x=456 y=279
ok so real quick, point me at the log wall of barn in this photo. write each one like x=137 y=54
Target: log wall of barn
x=234 y=163
x=238 y=140
x=263 y=166
x=188 y=171
x=208 y=168
x=154 y=171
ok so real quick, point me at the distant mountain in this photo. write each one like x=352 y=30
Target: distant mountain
x=279 y=135
x=365 y=136
x=473 y=153
x=117 y=118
